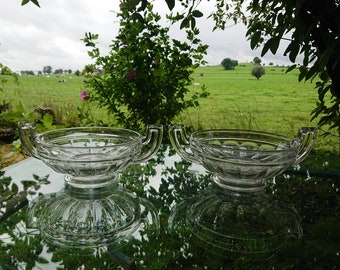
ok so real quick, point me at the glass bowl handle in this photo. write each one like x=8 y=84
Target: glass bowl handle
x=27 y=134
x=151 y=143
x=176 y=133
x=306 y=137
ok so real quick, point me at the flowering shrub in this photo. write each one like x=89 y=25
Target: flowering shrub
x=144 y=78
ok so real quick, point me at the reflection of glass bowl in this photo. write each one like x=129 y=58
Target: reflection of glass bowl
x=252 y=225
x=90 y=156
x=74 y=219
x=242 y=160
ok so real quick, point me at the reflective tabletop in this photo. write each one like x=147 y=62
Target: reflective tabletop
x=185 y=222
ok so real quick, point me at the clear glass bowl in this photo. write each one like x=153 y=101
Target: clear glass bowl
x=90 y=157
x=241 y=160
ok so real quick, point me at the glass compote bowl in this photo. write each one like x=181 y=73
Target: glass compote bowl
x=92 y=210
x=235 y=214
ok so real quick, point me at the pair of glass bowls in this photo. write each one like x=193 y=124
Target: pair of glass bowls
x=92 y=210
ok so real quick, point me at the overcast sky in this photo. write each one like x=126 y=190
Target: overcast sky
x=32 y=37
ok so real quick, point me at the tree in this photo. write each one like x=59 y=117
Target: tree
x=258 y=71
x=229 y=64
x=47 y=69
x=4 y=70
x=146 y=74
x=27 y=72
x=59 y=71
x=257 y=60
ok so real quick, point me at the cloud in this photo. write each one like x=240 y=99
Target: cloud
x=32 y=37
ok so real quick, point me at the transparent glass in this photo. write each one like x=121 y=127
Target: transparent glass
x=235 y=214
x=241 y=160
x=90 y=157
x=76 y=218
x=92 y=210
x=237 y=224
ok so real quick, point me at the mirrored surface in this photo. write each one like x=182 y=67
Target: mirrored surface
x=192 y=228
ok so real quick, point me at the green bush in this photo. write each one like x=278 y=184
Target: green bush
x=229 y=64
x=258 y=71
x=145 y=77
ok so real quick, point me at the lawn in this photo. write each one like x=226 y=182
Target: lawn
x=276 y=102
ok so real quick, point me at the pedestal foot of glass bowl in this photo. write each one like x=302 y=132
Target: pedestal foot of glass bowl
x=236 y=185
x=83 y=219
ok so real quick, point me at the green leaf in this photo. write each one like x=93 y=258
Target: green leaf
x=293 y=50
x=35 y=2
x=303 y=72
x=311 y=73
x=14 y=188
x=130 y=4
x=31 y=192
x=170 y=3
x=255 y=39
x=185 y=23
x=290 y=68
x=27 y=183
x=272 y=44
x=197 y=14
x=138 y=17
x=144 y=5
x=193 y=22
x=324 y=57
x=24 y=2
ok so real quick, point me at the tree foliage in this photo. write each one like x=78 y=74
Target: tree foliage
x=4 y=70
x=145 y=76
x=47 y=69
x=229 y=64
x=258 y=71
x=257 y=60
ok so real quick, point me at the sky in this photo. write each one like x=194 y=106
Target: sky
x=32 y=37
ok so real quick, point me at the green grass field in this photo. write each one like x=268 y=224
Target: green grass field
x=276 y=102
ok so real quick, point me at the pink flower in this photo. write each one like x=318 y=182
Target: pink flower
x=84 y=95
x=131 y=75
